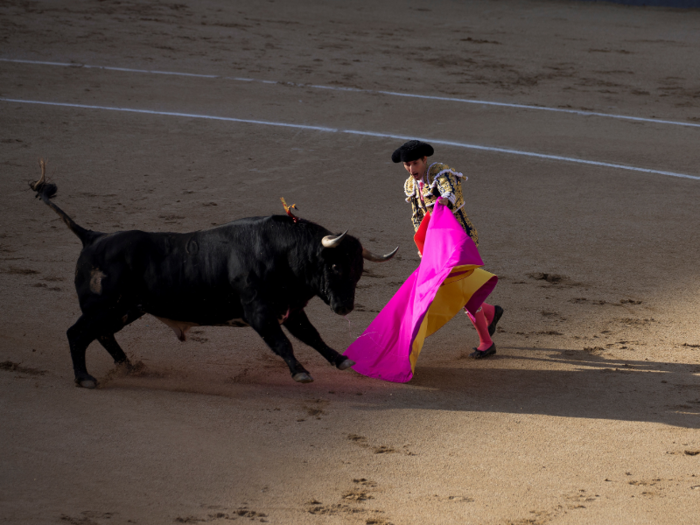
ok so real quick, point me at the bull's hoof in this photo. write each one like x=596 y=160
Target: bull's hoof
x=303 y=377
x=86 y=383
x=346 y=364
x=85 y=380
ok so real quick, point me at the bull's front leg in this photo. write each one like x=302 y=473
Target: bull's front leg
x=300 y=327
x=268 y=327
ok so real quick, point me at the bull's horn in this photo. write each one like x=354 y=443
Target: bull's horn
x=330 y=241
x=378 y=258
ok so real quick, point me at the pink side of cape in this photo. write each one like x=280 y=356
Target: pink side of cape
x=383 y=350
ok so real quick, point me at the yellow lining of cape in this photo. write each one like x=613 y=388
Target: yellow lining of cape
x=453 y=294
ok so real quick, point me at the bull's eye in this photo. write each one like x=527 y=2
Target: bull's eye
x=334 y=268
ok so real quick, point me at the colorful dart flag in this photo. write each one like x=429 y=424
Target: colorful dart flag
x=448 y=279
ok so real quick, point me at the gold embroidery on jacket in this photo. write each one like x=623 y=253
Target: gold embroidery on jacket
x=448 y=183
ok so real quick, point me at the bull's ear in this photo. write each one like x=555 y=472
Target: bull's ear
x=378 y=258
x=330 y=241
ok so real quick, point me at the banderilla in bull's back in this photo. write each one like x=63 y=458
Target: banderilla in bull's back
x=258 y=272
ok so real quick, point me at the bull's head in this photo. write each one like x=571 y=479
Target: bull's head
x=342 y=261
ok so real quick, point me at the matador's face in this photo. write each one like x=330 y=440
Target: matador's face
x=417 y=168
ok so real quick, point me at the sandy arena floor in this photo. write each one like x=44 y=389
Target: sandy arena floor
x=590 y=411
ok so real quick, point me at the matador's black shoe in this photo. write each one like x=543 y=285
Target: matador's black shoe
x=480 y=354
x=497 y=313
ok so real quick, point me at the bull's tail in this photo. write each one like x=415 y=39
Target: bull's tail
x=46 y=191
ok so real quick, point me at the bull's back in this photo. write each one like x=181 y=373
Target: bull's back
x=196 y=277
x=173 y=275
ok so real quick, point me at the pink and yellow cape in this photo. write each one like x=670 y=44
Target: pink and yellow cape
x=448 y=279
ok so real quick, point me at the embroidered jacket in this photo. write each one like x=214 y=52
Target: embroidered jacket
x=440 y=181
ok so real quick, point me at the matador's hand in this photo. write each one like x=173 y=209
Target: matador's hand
x=443 y=201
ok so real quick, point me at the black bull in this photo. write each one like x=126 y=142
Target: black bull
x=258 y=272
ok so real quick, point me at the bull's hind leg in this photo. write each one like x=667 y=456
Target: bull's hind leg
x=89 y=327
x=80 y=335
x=110 y=343
x=300 y=327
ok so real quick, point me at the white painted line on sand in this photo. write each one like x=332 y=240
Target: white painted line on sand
x=358 y=132
x=358 y=90
x=170 y=114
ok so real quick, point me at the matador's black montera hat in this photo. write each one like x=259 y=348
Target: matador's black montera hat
x=412 y=150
